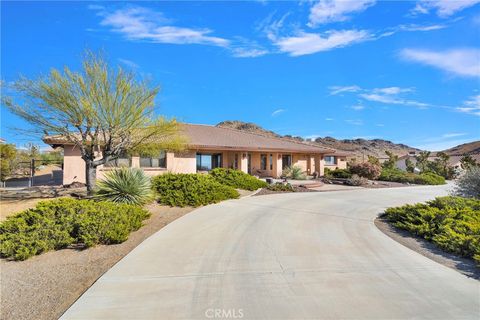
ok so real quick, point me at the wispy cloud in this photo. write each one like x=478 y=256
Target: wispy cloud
x=443 y=8
x=329 y=119
x=128 y=63
x=355 y=122
x=471 y=106
x=277 y=112
x=357 y=107
x=392 y=90
x=453 y=134
x=462 y=62
x=326 y=11
x=416 y=27
x=307 y=43
x=334 y=90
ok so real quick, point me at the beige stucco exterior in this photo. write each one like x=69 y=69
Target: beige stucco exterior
x=185 y=162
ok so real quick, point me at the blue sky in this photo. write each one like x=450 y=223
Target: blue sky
x=403 y=71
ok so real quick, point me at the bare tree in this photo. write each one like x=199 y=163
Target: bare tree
x=102 y=111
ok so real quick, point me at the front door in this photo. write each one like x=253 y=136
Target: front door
x=249 y=163
x=286 y=161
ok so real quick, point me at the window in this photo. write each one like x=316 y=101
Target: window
x=207 y=162
x=286 y=161
x=124 y=160
x=156 y=162
x=330 y=160
x=263 y=162
x=235 y=164
x=271 y=161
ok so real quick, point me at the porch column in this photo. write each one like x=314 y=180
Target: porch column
x=277 y=165
x=243 y=162
x=319 y=164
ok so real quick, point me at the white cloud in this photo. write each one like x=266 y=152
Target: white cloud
x=453 y=135
x=443 y=8
x=128 y=63
x=277 y=112
x=329 y=119
x=137 y=23
x=248 y=52
x=357 y=107
x=326 y=11
x=415 y=27
x=334 y=90
x=463 y=62
x=392 y=90
x=307 y=43
x=471 y=106
x=389 y=99
x=355 y=122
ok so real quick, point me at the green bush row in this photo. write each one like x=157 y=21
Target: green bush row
x=453 y=223
x=237 y=179
x=281 y=187
x=60 y=223
x=181 y=190
x=397 y=175
x=338 y=173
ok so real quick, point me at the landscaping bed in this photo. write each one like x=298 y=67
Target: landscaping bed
x=266 y=191
x=451 y=223
x=60 y=277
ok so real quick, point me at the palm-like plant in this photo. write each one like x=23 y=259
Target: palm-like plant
x=294 y=172
x=125 y=185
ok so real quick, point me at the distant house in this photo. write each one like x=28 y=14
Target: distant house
x=454 y=160
x=211 y=147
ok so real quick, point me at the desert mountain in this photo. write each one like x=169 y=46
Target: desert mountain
x=359 y=148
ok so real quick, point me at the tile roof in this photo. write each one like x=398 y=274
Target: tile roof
x=205 y=136
x=218 y=138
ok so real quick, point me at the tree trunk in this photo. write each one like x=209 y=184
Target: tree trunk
x=90 y=176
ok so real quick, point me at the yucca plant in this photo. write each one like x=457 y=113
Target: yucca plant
x=125 y=185
x=294 y=172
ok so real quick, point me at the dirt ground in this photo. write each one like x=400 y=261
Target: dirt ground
x=44 y=286
x=430 y=250
x=9 y=207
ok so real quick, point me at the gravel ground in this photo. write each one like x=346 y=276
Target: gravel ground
x=429 y=249
x=44 y=286
x=9 y=207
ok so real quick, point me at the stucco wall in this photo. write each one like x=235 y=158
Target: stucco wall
x=300 y=160
x=73 y=165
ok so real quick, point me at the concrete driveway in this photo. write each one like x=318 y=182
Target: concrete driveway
x=288 y=256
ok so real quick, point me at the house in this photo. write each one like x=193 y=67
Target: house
x=453 y=162
x=211 y=147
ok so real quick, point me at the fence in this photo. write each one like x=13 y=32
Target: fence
x=36 y=172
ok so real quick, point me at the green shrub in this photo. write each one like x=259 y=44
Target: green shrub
x=367 y=170
x=453 y=223
x=468 y=184
x=281 y=187
x=57 y=224
x=181 y=190
x=125 y=185
x=397 y=175
x=294 y=172
x=356 y=180
x=237 y=179
x=340 y=173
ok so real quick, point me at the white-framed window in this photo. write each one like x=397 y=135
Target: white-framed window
x=330 y=160
x=154 y=162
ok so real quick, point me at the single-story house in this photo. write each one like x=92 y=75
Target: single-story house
x=211 y=147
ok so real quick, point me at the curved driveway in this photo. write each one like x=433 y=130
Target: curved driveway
x=288 y=256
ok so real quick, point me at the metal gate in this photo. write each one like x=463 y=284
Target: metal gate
x=36 y=172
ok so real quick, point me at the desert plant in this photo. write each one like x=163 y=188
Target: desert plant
x=356 y=180
x=366 y=170
x=410 y=166
x=392 y=160
x=453 y=223
x=341 y=173
x=397 y=175
x=284 y=187
x=468 y=184
x=60 y=223
x=181 y=190
x=237 y=179
x=294 y=172
x=468 y=161
x=125 y=185
x=8 y=154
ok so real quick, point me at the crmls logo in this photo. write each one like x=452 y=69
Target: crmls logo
x=224 y=313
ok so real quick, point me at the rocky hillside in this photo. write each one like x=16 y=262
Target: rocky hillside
x=466 y=148
x=359 y=148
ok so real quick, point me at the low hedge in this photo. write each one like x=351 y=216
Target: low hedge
x=339 y=173
x=181 y=190
x=237 y=179
x=453 y=223
x=57 y=224
x=397 y=175
x=281 y=187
